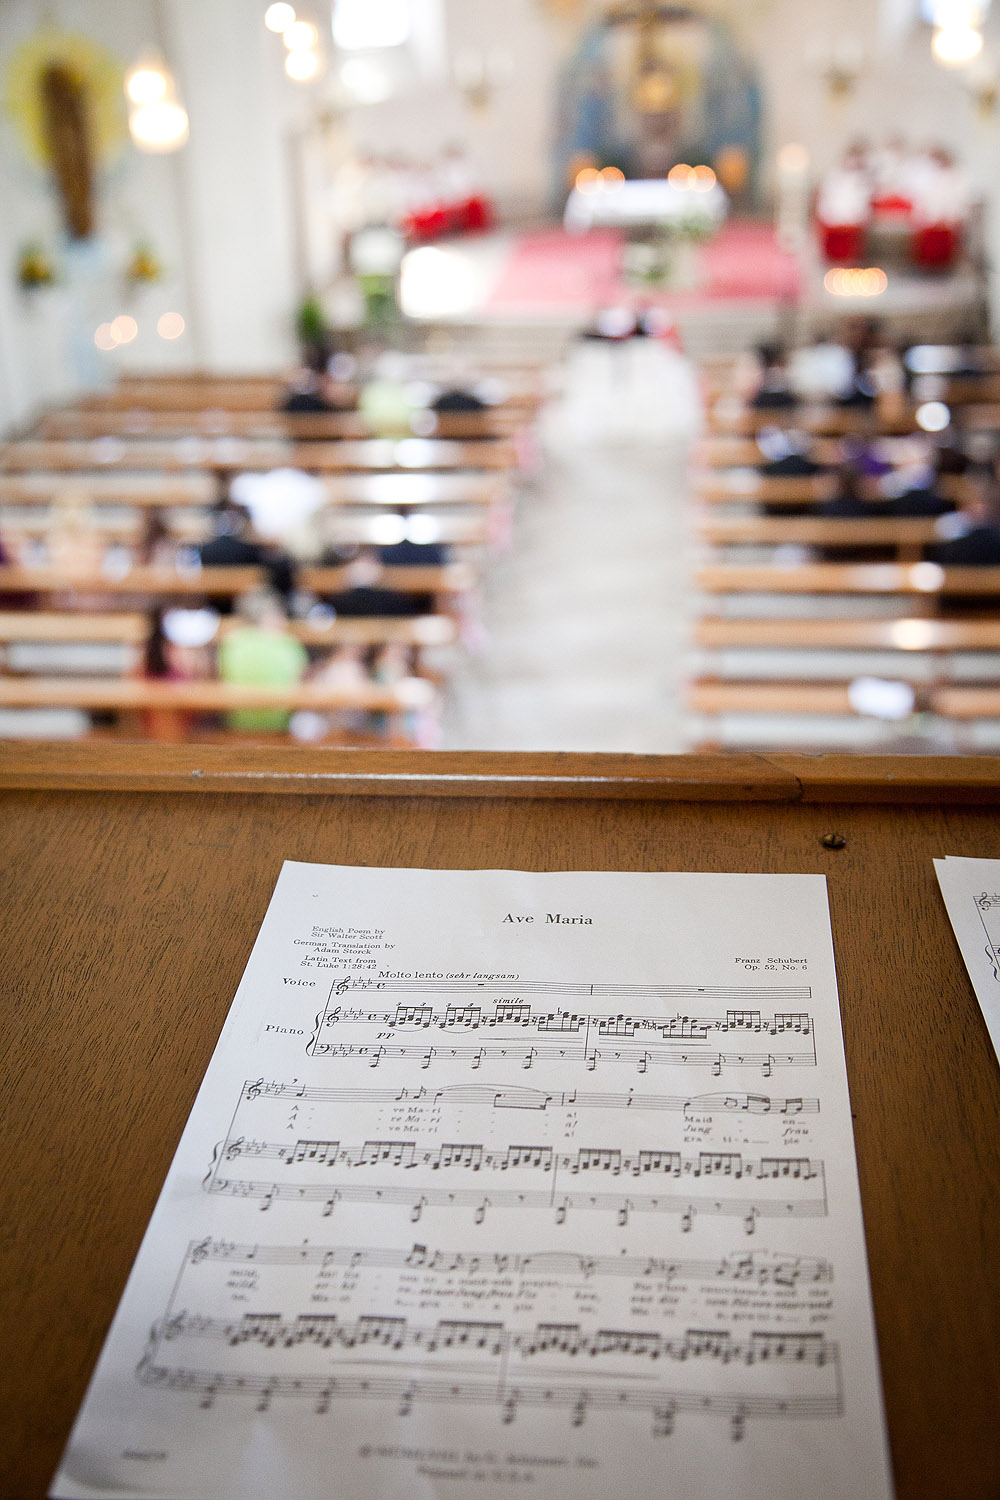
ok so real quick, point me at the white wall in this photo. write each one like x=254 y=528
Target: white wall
x=216 y=214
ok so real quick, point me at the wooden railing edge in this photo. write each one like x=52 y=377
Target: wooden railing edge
x=299 y=771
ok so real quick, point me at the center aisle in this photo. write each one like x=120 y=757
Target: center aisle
x=586 y=618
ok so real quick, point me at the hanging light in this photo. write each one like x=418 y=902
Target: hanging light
x=146 y=82
x=159 y=127
x=279 y=17
x=157 y=121
x=954 y=45
x=301 y=36
x=362 y=24
x=302 y=65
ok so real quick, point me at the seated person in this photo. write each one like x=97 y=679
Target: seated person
x=232 y=545
x=978 y=545
x=786 y=456
x=917 y=491
x=851 y=500
x=850 y=503
x=156 y=546
x=864 y=385
x=305 y=393
x=366 y=597
x=458 y=398
x=407 y=554
x=773 y=389
x=261 y=652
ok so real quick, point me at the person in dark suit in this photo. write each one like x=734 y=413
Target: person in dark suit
x=365 y=595
x=457 y=398
x=305 y=393
x=407 y=554
x=773 y=390
x=232 y=545
x=978 y=546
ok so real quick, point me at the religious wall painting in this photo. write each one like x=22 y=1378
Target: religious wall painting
x=650 y=86
x=63 y=94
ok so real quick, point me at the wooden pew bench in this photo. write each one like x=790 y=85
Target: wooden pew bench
x=345 y=528
x=166 y=583
x=923 y=580
x=524 y=390
x=904 y=635
x=741 y=486
x=909 y=535
x=291 y=427
x=364 y=456
x=912 y=648
x=173 y=702
x=729 y=414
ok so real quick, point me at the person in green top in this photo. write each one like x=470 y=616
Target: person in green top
x=261 y=652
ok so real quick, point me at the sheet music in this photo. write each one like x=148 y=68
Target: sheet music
x=505 y=1183
x=971 y=891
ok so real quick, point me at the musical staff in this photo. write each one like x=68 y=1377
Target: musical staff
x=438 y=984
x=662 y=1404
x=418 y=1198
x=518 y=1015
x=507 y=1097
x=474 y=1157
x=753 y=1267
x=491 y=1340
x=678 y=1055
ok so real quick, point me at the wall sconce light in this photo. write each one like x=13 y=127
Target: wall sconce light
x=478 y=74
x=839 y=61
x=157 y=121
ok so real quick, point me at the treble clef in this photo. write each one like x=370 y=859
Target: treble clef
x=342 y=985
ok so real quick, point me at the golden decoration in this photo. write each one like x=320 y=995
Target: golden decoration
x=655 y=92
x=90 y=69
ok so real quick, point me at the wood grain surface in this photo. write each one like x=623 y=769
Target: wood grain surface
x=130 y=914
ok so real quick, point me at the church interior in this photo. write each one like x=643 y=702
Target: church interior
x=567 y=375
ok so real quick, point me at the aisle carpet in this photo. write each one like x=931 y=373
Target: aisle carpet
x=550 y=270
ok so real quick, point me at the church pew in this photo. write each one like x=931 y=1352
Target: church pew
x=967 y=702
x=452 y=578
x=712 y=696
x=979 y=417
x=903 y=635
x=367 y=455
x=166 y=583
x=965 y=390
x=206 y=696
x=923 y=579
x=744 y=453
x=109 y=489
x=730 y=416
x=726 y=488
x=740 y=488
x=57 y=628
x=524 y=389
x=397 y=491
x=295 y=427
x=173 y=702
x=907 y=534
x=344 y=528
x=47 y=627
x=406 y=491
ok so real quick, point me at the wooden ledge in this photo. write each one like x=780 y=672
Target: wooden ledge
x=300 y=771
